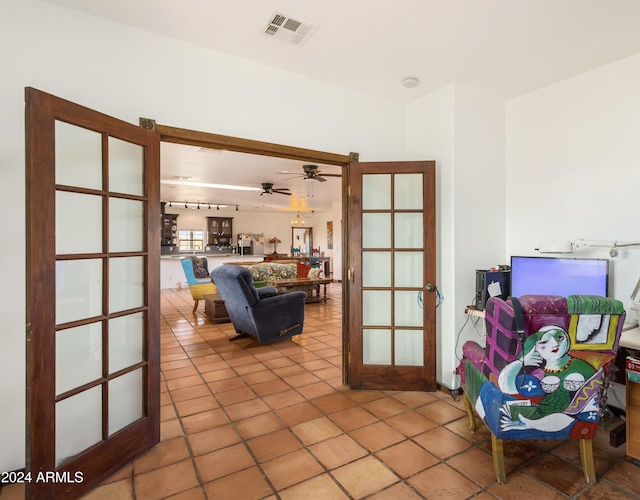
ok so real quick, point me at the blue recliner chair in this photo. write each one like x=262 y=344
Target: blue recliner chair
x=257 y=312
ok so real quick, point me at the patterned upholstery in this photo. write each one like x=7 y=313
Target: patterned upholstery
x=553 y=384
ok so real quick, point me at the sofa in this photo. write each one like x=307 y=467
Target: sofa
x=266 y=271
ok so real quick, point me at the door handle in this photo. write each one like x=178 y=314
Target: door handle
x=430 y=288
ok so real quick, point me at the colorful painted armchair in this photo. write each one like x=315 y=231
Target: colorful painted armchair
x=198 y=278
x=543 y=373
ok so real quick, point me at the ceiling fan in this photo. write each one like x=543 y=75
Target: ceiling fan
x=267 y=188
x=311 y=173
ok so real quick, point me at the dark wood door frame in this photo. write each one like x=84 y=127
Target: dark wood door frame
x=215 y=141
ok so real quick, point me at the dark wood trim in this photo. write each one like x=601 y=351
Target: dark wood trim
x=216 y=141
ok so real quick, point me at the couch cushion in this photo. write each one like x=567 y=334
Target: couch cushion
x=271 y=270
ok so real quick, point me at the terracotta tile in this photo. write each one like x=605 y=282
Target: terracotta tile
x=274 y=444
x=197 y=405
x=477 y=465
x=314 y=431
x=407 y=458
x=461 y=428
x=235 y=396
x=337 y=451
x=441 y=412
x=196 y=493
x=204 y=420
x=223 y=462
x=172 y=365
x=410 y=423
x=300 y=412
x=321 y=487
x=167 y=412
x=228 y=384
x=247 y=484
x=291 y=469
x=313 y=391
x=179 y=372
x=399 y=491
x=333 y=402
x=258 y=425
x=558 y=474
x=213 y=439
x=442 y=481
x=283 y=399
x=119 y=490
x=364 y=477
x=352 y=418
x=247 y=409
x=516 y=452
x=385 y=407
x=289 y=371
x=166 y=481
x=189 y=393
x=441 y=442
x=182 y=382
x=570 y=451
x=520 y=485
x=376 y=436
x=301 y=379
x=414 y=399
x=270 y=387
x=364 y=396
x=625 y=475
x=219 y=375
x=164 y=453
x=606 y=490
x=261 y=377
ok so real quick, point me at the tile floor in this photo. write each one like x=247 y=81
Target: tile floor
x=275 y=422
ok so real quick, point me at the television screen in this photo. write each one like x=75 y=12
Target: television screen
x=558 y=276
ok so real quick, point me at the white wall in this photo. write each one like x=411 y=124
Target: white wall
x=129 y=73
x=463 y=130
x=573 y=167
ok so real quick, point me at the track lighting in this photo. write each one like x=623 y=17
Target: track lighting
x=236 y=208
x=218 y=207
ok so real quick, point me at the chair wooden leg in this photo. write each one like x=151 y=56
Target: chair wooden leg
x=469 y=407
x=195 y=306
x=586 y=454
x=497 y=449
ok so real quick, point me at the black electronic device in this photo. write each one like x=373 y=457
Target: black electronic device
x=491 y=283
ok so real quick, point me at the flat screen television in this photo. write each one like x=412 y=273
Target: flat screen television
x=559 y=276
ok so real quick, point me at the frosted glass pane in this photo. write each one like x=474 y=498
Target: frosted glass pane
x=376 y=347
x=376 y=192
x=125 y=400
x=126 y=339
x=407 y=191
x=126 y=283
x=376 y=269
x=408 y=230
x=78 y=423
x=409 y=350
x=376 y=307
x=408 y=269
x=78 y=156
x=126 y=225
x=78 y=356
x=78 y=289
x=376 y=230
x=408 y=310
x=126 y=167
x=78 y=223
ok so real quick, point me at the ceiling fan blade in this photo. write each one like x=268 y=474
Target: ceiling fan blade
x=318 y=178
x=282 y=191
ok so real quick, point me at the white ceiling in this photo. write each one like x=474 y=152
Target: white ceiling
x=505 y=47
x=239 y=169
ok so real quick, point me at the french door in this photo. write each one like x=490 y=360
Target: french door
x=391 y=276
x=93 y=306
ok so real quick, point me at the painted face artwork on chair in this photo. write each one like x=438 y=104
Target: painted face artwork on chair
x=551 y=385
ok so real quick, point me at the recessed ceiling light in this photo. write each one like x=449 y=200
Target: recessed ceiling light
x=410 y=82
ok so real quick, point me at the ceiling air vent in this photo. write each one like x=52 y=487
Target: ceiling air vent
x=287 y=29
